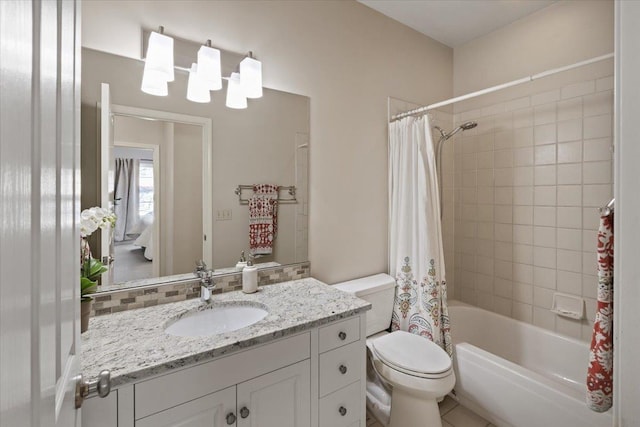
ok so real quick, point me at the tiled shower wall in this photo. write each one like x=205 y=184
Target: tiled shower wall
x=527 y=184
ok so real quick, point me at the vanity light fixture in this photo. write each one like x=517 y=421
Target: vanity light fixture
x=158 y=65
x=251 y=76
x=209 y=66
x=197 y=89
x=235 y=95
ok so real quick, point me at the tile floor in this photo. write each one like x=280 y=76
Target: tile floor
x=453 y=415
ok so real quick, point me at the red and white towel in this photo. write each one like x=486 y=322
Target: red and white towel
x=600 y=373
x=263 y=218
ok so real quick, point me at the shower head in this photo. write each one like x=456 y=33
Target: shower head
x=465 y=126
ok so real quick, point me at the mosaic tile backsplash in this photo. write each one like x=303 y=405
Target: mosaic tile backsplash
x=147 y=296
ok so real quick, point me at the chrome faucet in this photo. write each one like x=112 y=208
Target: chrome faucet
x=206 y=280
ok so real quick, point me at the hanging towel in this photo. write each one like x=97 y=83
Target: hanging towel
x=263 y=218
x=600 y=373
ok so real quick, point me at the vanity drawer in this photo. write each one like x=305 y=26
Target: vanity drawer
x=339 y=334
x=341 y=367
x=342 y=408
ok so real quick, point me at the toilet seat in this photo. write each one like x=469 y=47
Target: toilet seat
x=412 y=355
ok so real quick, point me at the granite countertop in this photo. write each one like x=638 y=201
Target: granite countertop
x=134 y=346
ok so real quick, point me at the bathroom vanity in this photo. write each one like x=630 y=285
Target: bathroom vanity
x=303 y=365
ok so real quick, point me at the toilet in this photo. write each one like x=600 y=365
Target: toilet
x=418 y=371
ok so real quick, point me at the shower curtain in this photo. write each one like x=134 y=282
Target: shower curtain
x=600 y=371
x=416 y=257
x=126 y=197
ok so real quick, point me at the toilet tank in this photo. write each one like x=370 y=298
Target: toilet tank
x=379 y=290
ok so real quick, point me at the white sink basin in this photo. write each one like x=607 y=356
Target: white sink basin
x=216 y=320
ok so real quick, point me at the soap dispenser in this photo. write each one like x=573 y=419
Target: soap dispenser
x=242 y=263
x=250 y=277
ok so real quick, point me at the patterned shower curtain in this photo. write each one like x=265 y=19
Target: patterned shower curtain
x=416 y=257
x=600 y=372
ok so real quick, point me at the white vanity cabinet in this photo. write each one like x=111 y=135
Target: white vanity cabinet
x=312 y=379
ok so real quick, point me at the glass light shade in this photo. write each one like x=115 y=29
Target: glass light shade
x=159 y=58
x=209 y=68
x=251 y=77
x=197 y=90
x=235 y=95
x=154 y=83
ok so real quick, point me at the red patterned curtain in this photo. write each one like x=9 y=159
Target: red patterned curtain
x=600 y=373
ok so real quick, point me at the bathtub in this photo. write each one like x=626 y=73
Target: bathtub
x=516 y=374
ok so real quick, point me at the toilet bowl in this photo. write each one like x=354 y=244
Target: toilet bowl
x=417 y=371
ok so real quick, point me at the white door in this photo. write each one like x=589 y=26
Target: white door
x=107 y=179
x=280 y=398
x=214 y=410
x=39 y=210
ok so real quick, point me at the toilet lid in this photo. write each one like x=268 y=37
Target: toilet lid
x=412 y=354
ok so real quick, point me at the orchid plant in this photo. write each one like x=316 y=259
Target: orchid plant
x=90 y=220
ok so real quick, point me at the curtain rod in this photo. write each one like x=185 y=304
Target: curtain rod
x=501 y=86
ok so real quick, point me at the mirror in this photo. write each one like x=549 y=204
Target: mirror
x=185 y=190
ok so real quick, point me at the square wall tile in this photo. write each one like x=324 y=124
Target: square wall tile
x=523 y=176
x=523 y=234
x=484 y=283
x=545 y=175
x=484 y=178
x=597 y=172
x=570 y=130
x=544 y=216
x=545 y=195
x=503 y=232
x=503 y=269
x=570 y=174
x=544 y=236
x=503 y=215
x=570 y=109
x=597 y=126
x=523 y=137
x=544 y=277
x=569 y=195
x=570 y=152
x=523 y=118
x=545 y=97
x=503 y=139
x=597 y=149
x=590 y=218
x=569 y=238
x=544 y=257
x=523 y=156
x=605 y=83
x=503 y=158
x=523 y=215
x=523 y=274
x=485 y=195
x=570 y=260
x=545 y=155
x=485 y=160
x=589 y=263
x=523 y=195
x=502 y=305
x=523 y=253
x=503 y=251
x=504 y=196
x=517 y=104
x=523 y=293
x=569 y=282
x=503 y=177
x=578 y=89
x=589 y=240
x=545 y=134
x=596 y=195
x=543 y=114
x=569 y=217
x=598 y=104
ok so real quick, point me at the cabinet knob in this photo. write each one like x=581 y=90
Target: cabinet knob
x=244 y=412
x=231 y=418
x=343 y=369
x=343 y=411
x=342 y=335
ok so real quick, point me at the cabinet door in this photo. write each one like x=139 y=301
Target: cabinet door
x=213 y=410
x=281 y=398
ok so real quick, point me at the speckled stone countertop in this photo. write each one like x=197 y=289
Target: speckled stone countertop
x=134 y=345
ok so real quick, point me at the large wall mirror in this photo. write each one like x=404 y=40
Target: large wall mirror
x=175 y=167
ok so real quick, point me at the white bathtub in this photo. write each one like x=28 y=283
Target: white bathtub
x=517 y=374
